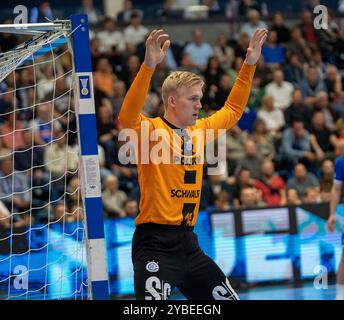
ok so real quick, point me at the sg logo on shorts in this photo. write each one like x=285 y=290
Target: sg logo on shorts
x=152 y=266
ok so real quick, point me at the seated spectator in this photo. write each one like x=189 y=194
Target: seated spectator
x=221 y=202
x=11 y=131
x=251 y=160
x=311 y=196
x=297 y=110
x=92 y=13
x=60 y=213
x=311 y=85
x=113 y=199
x=334 y=88
x=282 y=31
x=272 y=116
x=42 y=12
x=76 y=212
x=302 y=180
x=135 y=33
x=318 y=63
x=222 y=92
x=326 y=180
x=257 y=93
x=296 y=145
x=271 y=185
x=212 y=72
x=44 y=125
x=211 y=187
x=241 y=180
x=160 y=74
x=322 y=103
x=130 y=208
x=15 y=192
x=250 y=198
x=293 y=69
x=186 y=64
x=280 y=90
x=273 y=53
x=104 y=78
x=224 y=52
x=28 y=155
x=253 y=23
x=60 y=158
x=235 y=142
x=264 y=139
x=298 y=44
x=46 y=82
x=124 y=16
x=119 y=91
x=110 y=37
x=322 y=139
x=293 y=198
x=307 y=28
x=130 y=70
x=199 y=50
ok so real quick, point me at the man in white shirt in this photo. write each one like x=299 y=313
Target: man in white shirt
x=135 y=33
x=280 y=90
x=199 y=50
x=254 y=22
x=110 y=37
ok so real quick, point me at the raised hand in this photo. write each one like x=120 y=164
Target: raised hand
x=255 y=47
x=157 y=44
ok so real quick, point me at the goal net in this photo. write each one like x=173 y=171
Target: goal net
x=48 y=183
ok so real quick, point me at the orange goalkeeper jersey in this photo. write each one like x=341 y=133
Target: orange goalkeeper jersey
x=171 y=190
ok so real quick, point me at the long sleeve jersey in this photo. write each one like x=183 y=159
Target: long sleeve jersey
x=171 y=190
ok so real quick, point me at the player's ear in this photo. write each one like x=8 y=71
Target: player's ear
x=171 y=101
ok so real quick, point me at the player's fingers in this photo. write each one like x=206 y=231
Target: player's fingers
x=162 y=38
x=157 y=34
x=262 y=40
x=166 y=45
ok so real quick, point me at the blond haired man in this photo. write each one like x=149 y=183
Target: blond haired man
x=165 y=250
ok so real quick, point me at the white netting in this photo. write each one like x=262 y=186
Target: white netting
x=42 y=244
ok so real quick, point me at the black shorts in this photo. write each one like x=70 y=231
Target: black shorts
x=166 y=256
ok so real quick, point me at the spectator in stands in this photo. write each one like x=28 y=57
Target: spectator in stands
x=59 y=157
x=311 y=85
x=292 y=197
x=235 y=142
x=95 y=52
x=44 y=125
x=297 y=44
x=257 y=93
x=322 y=139
x=124 y=16
x=273 y=53
x=253 y=23
x=322 y=103
x=280 y=90
x=160 y=74
x=199 y=50
x=222 y=91
x=130 y=70
x=224 y=52
x=221 y=202
x=14 y=191
x=76 y=212
x=104 y=78
x=135 y=33
x=119 y=90
x=283 y=32
x=293 y=69
x=212 y=72
x=73 y=189
x=250 y=197
x=297 y=110
x=61 y=96
x=8 y=40
x=93 y=13
x=271 y=185
x=296 y=145
x=110 y=37
x=311 y=196
x=130 y=208
x=47 y=82
x=60 y=213
x=113 y=199
x=326 y=179
x=247 y=5
x=318 y=63
x=241 y=45
x=333 y=84
x=11 y=131
x=28 y=155
x=251 y=160
x=242 y=179
x=264 y=139
x=307 y=28
x=186 y=64
x=273 y=117
x=42 y=13
x=302 y=180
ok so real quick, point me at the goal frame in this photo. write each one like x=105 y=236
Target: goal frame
x=90 y=185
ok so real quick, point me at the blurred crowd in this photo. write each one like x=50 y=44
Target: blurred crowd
x=281 y=152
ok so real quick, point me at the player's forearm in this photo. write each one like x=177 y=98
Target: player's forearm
x=237 y=99
x=129 y=115
x=335 y=197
